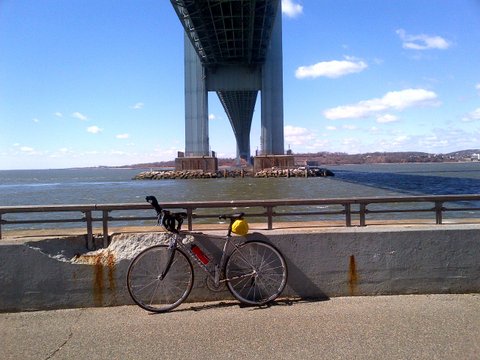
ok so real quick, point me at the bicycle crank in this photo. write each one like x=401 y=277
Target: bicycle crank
x=214 y=287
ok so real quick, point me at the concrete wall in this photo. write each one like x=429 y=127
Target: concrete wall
x=322 y=263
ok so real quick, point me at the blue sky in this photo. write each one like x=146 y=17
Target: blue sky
x=97 y=82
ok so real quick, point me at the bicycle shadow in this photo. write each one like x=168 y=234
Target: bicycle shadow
x=299 y=289
x=298 y=283
x=235 y=303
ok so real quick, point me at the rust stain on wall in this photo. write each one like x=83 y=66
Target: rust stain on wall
x=111 y=270
x=98 y=285
x=352 y=275
x=100 y=262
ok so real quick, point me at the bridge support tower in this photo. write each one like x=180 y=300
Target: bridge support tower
x=237 y=86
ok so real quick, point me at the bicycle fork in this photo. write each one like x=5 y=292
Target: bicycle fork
x=171 y=253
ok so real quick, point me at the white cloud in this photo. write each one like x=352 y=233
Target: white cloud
x=331 y=69
x=211 y=117
x=400 y=139
x=27 y=149
x=394 y=100
x=163 y=154
x=79 y=116
x=477 y=87
x=386 y=118
x=62 y=153
x=433 y=141
x=94 y=129
x=122 y=136
x=291 y=9
x=295 y=135
x=35 y=120
x=331 y=128
x=350 y=141
x=472 y=116
x=349 y=127
x=422 y=41
x=137 y=106
x=58 y=114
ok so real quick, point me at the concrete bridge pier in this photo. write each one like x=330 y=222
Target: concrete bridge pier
x=272 y=137
x=196 y=104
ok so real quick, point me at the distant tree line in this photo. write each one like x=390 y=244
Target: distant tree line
x=338 y=158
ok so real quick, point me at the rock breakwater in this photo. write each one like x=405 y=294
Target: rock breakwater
x=298 y=172
x=236 y=173
x=190 y=174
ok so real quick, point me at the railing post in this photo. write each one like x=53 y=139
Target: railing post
x=0 y=226
x=269 y=217
x=363 y=211
x=88 y=218
x=105 y=228
x=348 y=215
x=190 y=219
x=438 y=212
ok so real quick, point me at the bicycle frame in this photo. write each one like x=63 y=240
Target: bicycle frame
x=215 y=274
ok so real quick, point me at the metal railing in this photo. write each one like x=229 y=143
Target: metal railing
x=346 y=208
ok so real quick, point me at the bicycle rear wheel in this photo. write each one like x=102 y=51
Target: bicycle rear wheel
x=145 y=283
x=256 y=273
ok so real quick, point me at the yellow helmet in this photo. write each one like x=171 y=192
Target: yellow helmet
x=240 y=227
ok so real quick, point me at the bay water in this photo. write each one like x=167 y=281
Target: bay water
x=113 y=186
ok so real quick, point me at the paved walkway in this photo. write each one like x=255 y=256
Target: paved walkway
x=384 y=327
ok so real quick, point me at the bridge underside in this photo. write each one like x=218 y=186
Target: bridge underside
x=239 y=106
x=233 y=47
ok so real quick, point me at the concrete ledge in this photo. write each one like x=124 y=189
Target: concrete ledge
x=59 y=273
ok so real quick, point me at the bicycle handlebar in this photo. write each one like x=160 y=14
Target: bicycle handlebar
x=153 y=201
x=167 y=219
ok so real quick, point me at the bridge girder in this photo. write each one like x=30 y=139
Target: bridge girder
x=226 y=32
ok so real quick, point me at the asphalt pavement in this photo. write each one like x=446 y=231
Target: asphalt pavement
x=376 y=327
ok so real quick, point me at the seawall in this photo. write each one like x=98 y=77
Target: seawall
x=51 y=273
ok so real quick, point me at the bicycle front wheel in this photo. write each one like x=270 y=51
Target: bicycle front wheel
x=256 y=273
x=147 y=287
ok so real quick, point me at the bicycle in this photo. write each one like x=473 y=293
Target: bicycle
x=161 y=277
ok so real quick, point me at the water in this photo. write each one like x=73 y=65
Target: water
x=416 y=179
x=112 y=186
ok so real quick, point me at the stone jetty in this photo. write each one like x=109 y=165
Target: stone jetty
x=185 y=174
x=235 y=173
x=297 y=172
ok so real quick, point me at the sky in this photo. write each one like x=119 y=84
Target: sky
x=100 y=82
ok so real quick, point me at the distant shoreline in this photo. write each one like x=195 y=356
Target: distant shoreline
x=327 y=158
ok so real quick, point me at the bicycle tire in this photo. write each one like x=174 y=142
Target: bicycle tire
x=149 y=291
x=256 y=273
